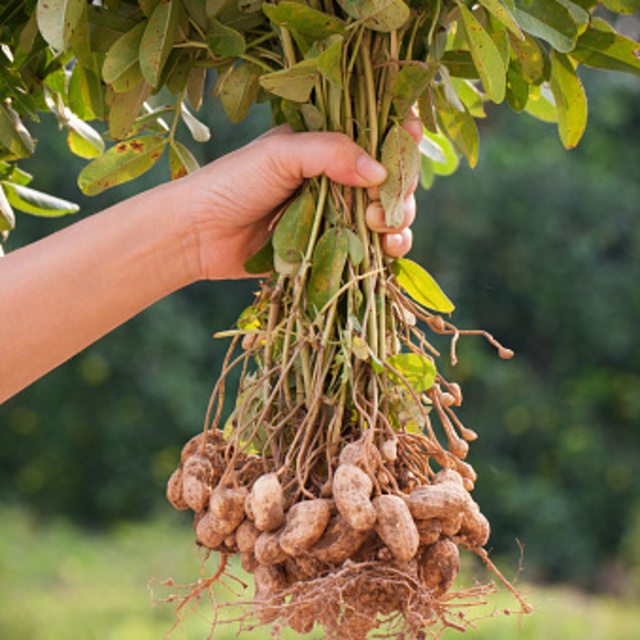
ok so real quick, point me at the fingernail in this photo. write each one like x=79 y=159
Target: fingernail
x=370 y=170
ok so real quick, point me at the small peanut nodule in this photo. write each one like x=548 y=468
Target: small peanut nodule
x=267 y=502
x=396 y=527
x=352 y=489
x=305 y=523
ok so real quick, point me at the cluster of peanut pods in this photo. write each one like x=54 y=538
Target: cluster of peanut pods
x=283 y=540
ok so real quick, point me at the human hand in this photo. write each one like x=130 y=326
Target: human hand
x=233 y=200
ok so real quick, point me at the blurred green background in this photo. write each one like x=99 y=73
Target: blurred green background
x=537 y=245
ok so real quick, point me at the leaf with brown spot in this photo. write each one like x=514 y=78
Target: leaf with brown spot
x=181 y=161
x=57 y=19
x=121 y=163
x=401 y=158
x=158 y=39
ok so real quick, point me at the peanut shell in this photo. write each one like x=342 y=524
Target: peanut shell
x=352 y=488
x=304 y=525
x=267 y=502
x=395 y=526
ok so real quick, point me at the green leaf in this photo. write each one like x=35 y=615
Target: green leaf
x=356 y=248
x=421 y=286
x=195 y=86
x=57 y=19
x=123 y=162
x=181 y=160
x=570 y=99
x=261 y=261
x=427 y=110
x=330 y=60
x=157 y=40
x=460 y=64
x=541 y=104
x=329 y=259
x=531 y=57
x=504 y=15
x=37 y=203
x=292 y=233
x=408 y=85
x=432 y=150
x=607 y=50
x=7 y=217
x=549 y=20
x=294 y=83
x=517 y=87
x=622 y=6
x=418 y=370
x=125 y=109
x=225 y=41
x=486 y=56
x=199 y=131
x=84 y=141
x=121 y=68
x=304 y=20
x=239 y=90
x=401 y=158
x=461 y=128
x=451 y=162
x=13 y=134
x=380 y=15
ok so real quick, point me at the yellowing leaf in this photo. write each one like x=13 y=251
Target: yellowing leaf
x=329 y=259
x=37 y=203
x=121 y=68
x=486 y=56
x=570 y=99
x=123 y=162
x=401 y=158
x=421 y=286
x=294 y=83
x=419 y=371
x=181 y=160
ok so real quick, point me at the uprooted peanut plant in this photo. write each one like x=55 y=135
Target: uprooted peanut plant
x=340 y=476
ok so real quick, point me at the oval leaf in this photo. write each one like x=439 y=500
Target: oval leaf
x=486 y=56
x=7 y=217
x=401 y=158
x=570 y=99
x=121 y=68
x=419 y=371
x=293 y=84
x=379 y=15
x=57 y=19
x=124 y=162
x=84 y=141
x=239 y=90
x=225 y=41
x=199 y=131
x=304 y=20
x=292 y=233
x=607 y=50
x=421 y=286
x=36 y=202
x=157 y=40
x=329 y=259
x=549 y=20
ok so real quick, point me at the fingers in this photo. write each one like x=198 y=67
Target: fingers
x=304 y=155
x=413 y=125
x=375 y=216
x=396 y=245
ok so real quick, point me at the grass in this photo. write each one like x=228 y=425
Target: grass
x=59 y=582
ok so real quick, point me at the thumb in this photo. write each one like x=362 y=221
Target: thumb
x=297 y=156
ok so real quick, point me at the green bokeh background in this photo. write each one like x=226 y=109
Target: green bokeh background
x=537 y=245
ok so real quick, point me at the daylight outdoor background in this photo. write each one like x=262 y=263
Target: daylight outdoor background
x=538 y=245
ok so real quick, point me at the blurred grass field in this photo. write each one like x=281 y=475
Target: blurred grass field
x=61 y=582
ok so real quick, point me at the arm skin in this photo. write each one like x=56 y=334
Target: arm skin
x=66 y=291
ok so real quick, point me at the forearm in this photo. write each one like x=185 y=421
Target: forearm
x=66 y=291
